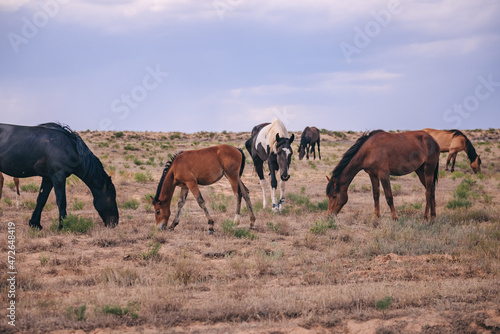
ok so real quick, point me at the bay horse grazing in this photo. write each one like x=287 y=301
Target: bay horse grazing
x=16 y=184
x=270 y=142
x=205 y=166
x=309 y=138
x=382 y=154
x=454 y=141
x=54 y=152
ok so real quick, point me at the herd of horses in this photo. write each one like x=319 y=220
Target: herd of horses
x=54 y=152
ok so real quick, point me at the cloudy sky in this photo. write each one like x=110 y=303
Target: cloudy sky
x=213 y=65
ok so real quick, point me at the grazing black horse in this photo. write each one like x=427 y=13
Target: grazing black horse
x=270 y=142
x=54 y=152
x=309 y=138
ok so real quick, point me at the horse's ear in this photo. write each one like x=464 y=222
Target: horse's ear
x=292 y=137
x=277 y=137
x=327 y=178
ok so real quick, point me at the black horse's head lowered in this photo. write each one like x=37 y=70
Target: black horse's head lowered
x=54 y=152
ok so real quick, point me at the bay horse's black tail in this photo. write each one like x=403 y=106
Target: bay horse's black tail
x=436 y=173
x=242 y=168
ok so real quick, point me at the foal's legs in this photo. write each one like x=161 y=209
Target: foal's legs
x=376 y=193
x=386 y=184
x=43 y=195
x=180 y=204
x=195 y=190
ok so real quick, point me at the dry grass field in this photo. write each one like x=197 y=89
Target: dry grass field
x=296 y=272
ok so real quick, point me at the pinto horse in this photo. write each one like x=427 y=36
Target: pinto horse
x=309 y=138
x=270 y=142
x=54 y=152
x=16 y=184
x=200 y=167
x=382 y=154
x=454 y=141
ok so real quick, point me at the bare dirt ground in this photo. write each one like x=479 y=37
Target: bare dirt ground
x=297 y=272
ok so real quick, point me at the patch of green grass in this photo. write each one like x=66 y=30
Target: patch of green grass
x=30 y=187
x=229 y=228
x=322 y=226
x=118 y=134
x=132 y=204
x=143 y=177
x=73 y=224
x=457 y=175
x=7 y=201
x=152 y=251
x=78 y=205
x=29 y=204
x=383 y=304
x=130 y=310
x=77 y=313
x=458 y=203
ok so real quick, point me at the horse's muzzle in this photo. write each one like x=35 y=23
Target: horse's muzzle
x=285 y=177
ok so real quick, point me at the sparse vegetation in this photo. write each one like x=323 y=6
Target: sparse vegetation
x=297 y=270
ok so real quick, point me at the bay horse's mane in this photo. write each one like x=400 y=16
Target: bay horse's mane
x=469 y=149
x=346 y=158
x=276 y=127
x=91 y=167
x=165 y=171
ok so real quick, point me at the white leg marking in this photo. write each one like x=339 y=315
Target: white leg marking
x=264 y=195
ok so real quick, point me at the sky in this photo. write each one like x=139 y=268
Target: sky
x=214 y=65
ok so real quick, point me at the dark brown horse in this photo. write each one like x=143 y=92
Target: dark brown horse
x=309 y=138
x=200 y=167
x=16 y=183
x=382 y=154
x=454 y=141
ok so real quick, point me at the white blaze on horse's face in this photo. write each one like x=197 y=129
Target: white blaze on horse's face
x=284 y=159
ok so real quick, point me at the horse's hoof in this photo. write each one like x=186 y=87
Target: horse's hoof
x=210 y=232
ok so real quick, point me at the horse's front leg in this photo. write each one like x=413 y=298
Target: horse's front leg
x=180 y=204
x=376 y=193
x=195 y=190
x=43 y=195
x=274 y=185
x=281 y=203
x=59 y=182
x=259 y=168
x=386 y=184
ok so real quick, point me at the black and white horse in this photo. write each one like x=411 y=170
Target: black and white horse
x=309 y=138
x=270 y=142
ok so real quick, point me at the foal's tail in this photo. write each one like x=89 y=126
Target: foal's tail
x=243 y=159
x=241 y=185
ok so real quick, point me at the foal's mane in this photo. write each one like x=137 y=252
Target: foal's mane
x=346 y=158
x=165 y=171
x=93 y=172
x=276 y=127
x=469 y=149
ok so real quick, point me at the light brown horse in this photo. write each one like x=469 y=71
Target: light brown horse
x=382 y=154
x=16 y=183
x=200 y=167
x=454 y=141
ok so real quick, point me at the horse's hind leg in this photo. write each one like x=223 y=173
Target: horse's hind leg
x=453 y=159
x=43 y=195
x=319 y=153
x=180 y=204
x=243 y=191
x=427 y=180
x=59 y=182
x=234 y=181
x=195 y=190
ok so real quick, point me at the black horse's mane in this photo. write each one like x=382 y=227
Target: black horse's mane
x=92 y=170
x=346 y=158
x=469 y=149
x=165 y=171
